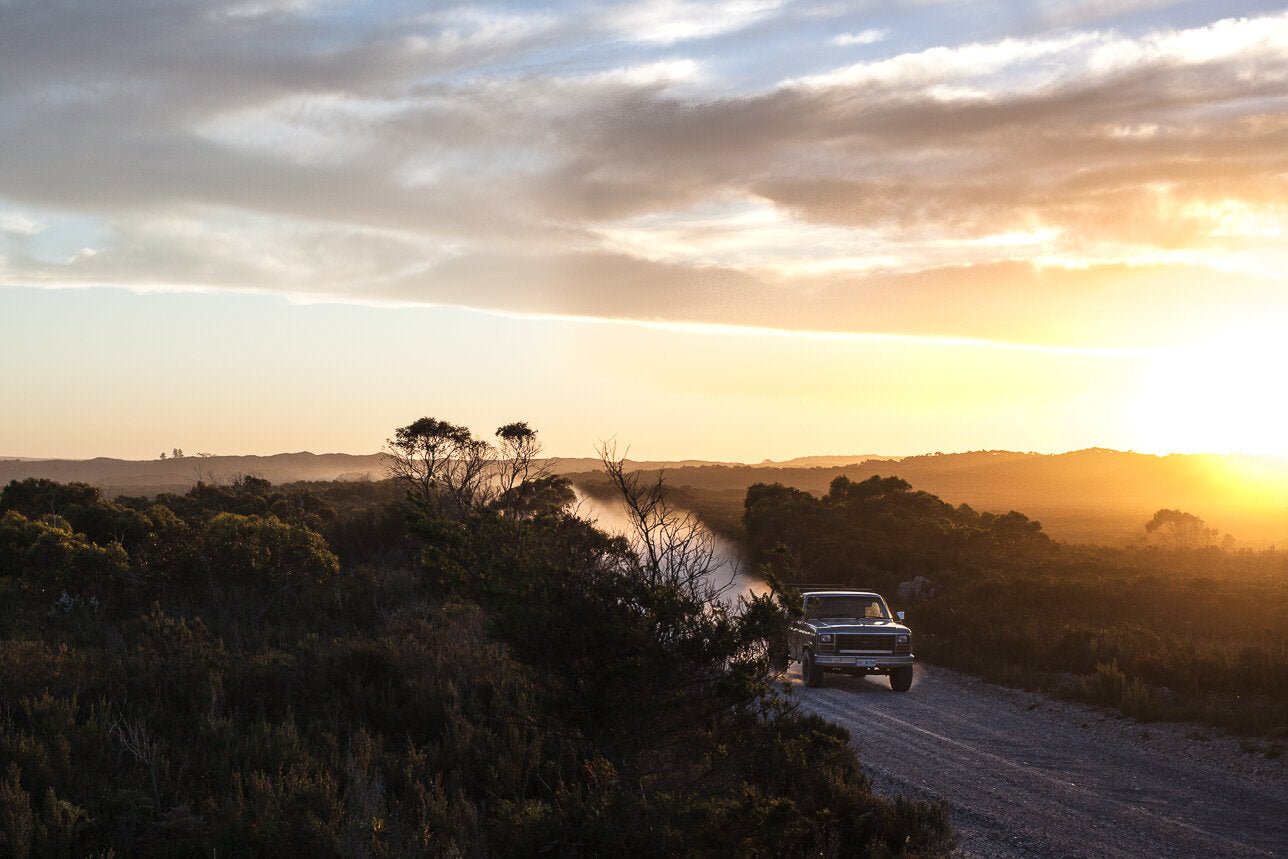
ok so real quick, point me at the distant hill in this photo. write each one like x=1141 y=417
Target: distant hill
x=1088 y=496
x=1093 y=496
x=148 y=477
x=826 y=461
x=1107 y=496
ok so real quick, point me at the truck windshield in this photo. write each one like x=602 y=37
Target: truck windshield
x=820 y=607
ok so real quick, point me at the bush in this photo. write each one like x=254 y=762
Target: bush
x=249 y=695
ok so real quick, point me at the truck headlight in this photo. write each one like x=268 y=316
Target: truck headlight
x=827 y=641
x=903 y=643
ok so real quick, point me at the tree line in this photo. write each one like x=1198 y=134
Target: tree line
x=1180 y=629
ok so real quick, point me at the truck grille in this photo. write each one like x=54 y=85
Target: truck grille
x=881 y=641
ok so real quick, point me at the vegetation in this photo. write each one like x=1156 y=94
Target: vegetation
x=361 y=670
x=1187 y=632
x=1089 y=496
x=1180 y=530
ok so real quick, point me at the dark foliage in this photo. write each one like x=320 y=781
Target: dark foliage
x=1198 y=633
x=321 y=670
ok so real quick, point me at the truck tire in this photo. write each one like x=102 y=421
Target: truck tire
x=901 y=679
x=810 y=672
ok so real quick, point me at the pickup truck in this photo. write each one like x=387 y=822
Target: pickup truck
x=850 y=632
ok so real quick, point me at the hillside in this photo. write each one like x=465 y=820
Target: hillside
x=1088 y=496
x=148 y=477
x=1092 y=496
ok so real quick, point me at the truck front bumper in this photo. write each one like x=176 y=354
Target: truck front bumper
x=863 y=662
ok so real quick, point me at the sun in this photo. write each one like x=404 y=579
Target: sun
x=1224 y=394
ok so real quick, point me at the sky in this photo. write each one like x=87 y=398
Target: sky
x=740 y=229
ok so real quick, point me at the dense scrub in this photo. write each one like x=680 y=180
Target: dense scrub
x=1159 y=633
x=330 y=669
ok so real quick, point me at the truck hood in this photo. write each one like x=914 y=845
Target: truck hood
x=848 y=625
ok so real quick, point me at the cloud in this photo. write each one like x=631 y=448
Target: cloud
x=528 y=163
x=17 y=224
x=945 y=64
x=666 y=22
x=1077 y=13
x=863 y=37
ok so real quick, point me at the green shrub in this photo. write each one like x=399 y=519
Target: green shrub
x=240 y=692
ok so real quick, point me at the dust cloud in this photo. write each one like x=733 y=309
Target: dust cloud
x=728 y=569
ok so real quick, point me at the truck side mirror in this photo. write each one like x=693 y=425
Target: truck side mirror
x=899 y=615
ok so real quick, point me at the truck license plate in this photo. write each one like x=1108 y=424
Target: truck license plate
x=865 y=663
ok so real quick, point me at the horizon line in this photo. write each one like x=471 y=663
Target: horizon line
x=858 y=458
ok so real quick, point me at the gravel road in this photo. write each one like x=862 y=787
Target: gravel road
x=1024 y=775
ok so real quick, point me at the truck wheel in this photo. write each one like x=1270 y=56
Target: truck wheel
x=810 y=672
x=901 y=679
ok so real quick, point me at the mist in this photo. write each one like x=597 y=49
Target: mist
x=611 y=517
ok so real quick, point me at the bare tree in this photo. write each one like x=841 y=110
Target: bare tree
x=419 y=454
x=518 y=449
x=673 y=546
x=445 y=465
x=518 y=467
x=137 y=741
x=468 y=475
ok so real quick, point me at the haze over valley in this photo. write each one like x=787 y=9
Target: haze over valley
x=1091 y=496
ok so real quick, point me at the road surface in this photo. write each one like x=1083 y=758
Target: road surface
x=1023 y=775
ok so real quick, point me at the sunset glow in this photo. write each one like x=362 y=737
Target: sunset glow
x=764 y=230
x=1219 y=395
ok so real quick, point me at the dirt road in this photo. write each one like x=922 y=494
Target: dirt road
x=1026 y=776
